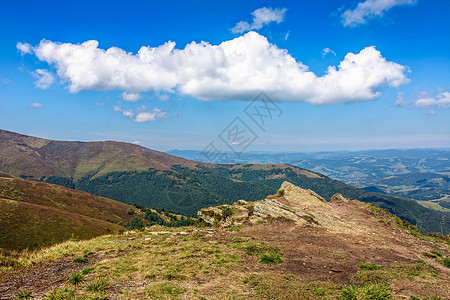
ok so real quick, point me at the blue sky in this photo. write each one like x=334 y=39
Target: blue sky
x=389 y=87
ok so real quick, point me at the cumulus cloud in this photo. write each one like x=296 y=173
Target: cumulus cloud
x=154 y=115
x=131 y=97
x=236 y=69
x=327 y=51
x=36 y=105
x=139 y=115
x=442 y=101
x=24 y=48
x=44 y=79
x=261 y=16
x=370 y=9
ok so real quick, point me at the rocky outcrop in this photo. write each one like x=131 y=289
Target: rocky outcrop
x=307 y=195
x=254 y=212
x=339 y=198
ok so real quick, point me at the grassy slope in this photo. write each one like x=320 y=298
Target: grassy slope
x=34 y=214
x=211 y=263
x=26 y=225
x=56 y=196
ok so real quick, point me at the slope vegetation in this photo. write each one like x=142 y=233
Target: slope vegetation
x=34 y=214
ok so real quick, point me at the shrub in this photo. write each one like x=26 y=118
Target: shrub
x=266 y=254
x=367 y=292
x=81 y=260
x=446 y=262
x=150 y=276
x=87 y=270
x=436 y=253
x=272 y=258
x=427 y=254
x=235 y=227
x=377 y=292
x=135 y=223
x=349 y=293
x=174 y=276
x=368 y=266
x=75 y=278
x=99 y=285
x=373 y=277
x=24 y=295
x=62 y=294
x=160 y=290
x=280 y=192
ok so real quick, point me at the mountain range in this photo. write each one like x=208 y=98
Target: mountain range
x=133 y=174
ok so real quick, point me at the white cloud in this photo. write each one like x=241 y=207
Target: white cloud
x=261 y=16
x=127 y=113
x=44 y=79
x=24 y=48
x=131 y=97
x=36 y=105
x=163 y=97
x=139 y=115
x=154 y=115
x=327 y=51
x=98 y=103
x=237 y=69
x=370 y=9
x=137 y=142
x=442 y=100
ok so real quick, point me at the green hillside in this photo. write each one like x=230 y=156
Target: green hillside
x=133 y=174
x=187 y=190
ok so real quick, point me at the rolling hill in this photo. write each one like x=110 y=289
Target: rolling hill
x=133 y=174
x=36 y=157
x=36 y=214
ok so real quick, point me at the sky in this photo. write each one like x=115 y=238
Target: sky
x=229 y=75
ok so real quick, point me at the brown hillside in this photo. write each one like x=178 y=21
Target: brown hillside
x=35 y=214
x=31 y=156
x=26 y=225
x=56 y=196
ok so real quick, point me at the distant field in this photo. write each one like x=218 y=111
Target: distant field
x=433 y=205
